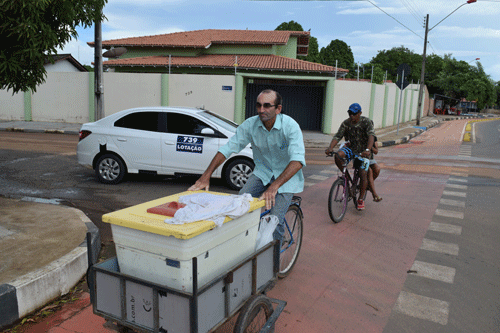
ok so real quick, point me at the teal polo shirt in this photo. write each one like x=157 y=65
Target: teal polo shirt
x=272 y=150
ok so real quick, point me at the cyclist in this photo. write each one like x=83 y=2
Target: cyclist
x=359 y=132
x=278 y=153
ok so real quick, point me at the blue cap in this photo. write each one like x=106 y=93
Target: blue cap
x=355 y=108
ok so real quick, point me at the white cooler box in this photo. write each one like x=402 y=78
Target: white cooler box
x=155 y=251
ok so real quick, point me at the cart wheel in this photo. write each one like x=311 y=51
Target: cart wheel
x=254 y=314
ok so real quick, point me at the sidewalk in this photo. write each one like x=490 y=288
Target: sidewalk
x=42 y=258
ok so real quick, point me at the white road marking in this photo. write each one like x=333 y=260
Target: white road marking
x=434 y=272
x=423 y=307
x=441 y=247
x=455 y=179
x=455 y=194
x=449 y=202
x=330 y=171
x=317 y=177
x=307 y=184
x=473 y=132
x=446 y=228
x=459 y=187
x=449 y=213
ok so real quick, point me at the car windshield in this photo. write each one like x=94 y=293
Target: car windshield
x=220 y=121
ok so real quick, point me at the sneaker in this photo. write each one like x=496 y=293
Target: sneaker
x=361 y=204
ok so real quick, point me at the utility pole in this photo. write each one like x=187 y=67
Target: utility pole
x=422 y=73
x=98 y=86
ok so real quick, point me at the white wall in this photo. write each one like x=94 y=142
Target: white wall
x=11 y=106
x=346 y=93
x=130 y=90
x=378 y=105
x=391 y=105
x=64 y=97
x=61 y=66
x=67 y=97
x=203 y=90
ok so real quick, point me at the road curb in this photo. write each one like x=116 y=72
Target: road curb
x=467 y=135
x=35 y=130
x=31 y=291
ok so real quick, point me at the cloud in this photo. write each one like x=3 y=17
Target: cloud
x=494 y=70
x=79 y=50
x=143 y=2
x=466 y=32
x=125 y=26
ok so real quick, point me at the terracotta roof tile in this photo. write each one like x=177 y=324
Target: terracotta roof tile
x=263 y=62
x=204 y=38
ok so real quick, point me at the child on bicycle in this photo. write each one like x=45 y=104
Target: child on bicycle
x=373 y=172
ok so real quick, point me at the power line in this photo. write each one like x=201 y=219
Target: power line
x=395 y=19
x=410 y=9
x=360 y=0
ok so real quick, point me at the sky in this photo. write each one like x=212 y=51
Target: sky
x=367 y=26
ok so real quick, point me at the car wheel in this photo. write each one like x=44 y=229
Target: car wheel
x=238 y=172
x=110 y=169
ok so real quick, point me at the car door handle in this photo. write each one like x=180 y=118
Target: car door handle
x=122 y=139
x=169 y=143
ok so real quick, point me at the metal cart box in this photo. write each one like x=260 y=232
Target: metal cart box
x=155 y=251
x=149 y=307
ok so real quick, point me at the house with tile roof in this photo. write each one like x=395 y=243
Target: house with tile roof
x=63 y=63
x=257 y=59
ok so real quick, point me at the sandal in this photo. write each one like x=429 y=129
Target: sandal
x=377 y=199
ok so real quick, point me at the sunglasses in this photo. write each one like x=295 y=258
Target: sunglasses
x=351 y=113
x=265 y=105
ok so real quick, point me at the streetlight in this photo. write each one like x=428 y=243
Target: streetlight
x=420 y=93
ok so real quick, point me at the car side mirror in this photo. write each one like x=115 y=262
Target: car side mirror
x=207 y=131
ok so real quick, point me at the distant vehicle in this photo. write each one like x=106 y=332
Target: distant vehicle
x=161 y=140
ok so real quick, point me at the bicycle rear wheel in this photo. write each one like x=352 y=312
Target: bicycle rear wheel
x=337 y=200
x=292 y=240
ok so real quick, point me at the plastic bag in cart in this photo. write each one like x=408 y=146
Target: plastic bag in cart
x=267 y=225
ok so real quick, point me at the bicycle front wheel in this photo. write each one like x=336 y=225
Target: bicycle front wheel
x=292 y=240
x=337 y=201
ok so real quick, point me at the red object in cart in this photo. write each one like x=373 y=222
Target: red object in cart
x=167 y=209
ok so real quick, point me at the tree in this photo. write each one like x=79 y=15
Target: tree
x=289 y=26
x=389 y=60
x=378 y=73
x=433 y=66
x=480 y=87
x=459 y=80
x=337 y=52
x=497 y=91
x=31 y=31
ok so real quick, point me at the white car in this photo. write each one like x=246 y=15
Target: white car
x=161 y=140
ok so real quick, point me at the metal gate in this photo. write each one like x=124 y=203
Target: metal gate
x=304 y=103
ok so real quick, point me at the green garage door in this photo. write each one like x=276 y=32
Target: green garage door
x=304 y=103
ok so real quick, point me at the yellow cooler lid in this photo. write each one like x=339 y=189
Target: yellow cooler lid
x=137 y=217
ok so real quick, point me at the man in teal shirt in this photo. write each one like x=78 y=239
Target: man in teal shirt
x=278 y=152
